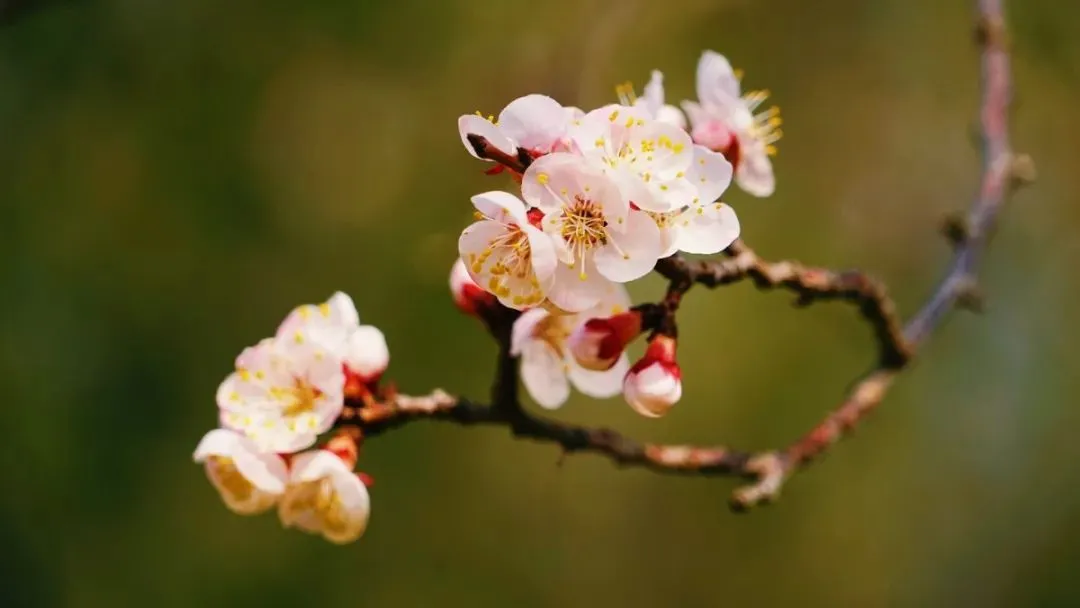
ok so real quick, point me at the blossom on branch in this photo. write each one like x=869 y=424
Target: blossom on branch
x=652 y=100
x=250 y=481
x=724 y=120
x=534 y=123
x=548 y=368
x=325 y=496
x=654 y=383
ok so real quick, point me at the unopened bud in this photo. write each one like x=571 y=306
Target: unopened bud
x=597 y=344
x=366 y=353
x=654 y=384
x=716 y=136
x=469 y=297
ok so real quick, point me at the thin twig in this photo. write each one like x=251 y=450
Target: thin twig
x=897 y=343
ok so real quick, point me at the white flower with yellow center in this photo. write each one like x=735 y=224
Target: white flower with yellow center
x=596 y=235
x=248 y=480
x=706 y=226
x=725 y=120
x=335 y=324
x=505 y=254
x=648 y=159
x=326 y=497
x=548 y=368
x=285 y=391
x=536 y=123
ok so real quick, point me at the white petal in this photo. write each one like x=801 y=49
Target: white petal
x=535 y=122
x=544 y=375
x=543 y=256
x=631 y=255
x=473 y=243
x=315 y=465
x=218 y=442
x=755 y=174
x=600 y=385
x=654 y=93
x=552 y=180
x=475 y=125
x=710 y=173
x=614 y=300
x=524 y=327
x=349 y=517
x=669 y=237
x=267 y=472
x=674 y=193
x=367 y=354
x=671 y=115
x=501 y=206
x=342 y=310
x=672 y=154
x=716 y=81
x=695 y=113
x=573 y=293
x=707 y=229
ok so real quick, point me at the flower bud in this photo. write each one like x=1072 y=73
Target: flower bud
x=598 y=343
x=366 y=353
x=469 y=297
x=654 y=384
x=716 y=136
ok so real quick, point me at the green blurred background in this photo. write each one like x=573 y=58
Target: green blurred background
x=175 y=176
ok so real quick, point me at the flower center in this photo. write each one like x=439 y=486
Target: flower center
x=665 y=219
x=516 y=260
x=583 y=228
x=300 y=399
x=763 y=126
x=554 y=331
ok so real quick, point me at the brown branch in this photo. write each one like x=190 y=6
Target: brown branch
x=897 y=343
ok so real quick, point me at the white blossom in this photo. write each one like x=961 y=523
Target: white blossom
x=324 y=496
x=707 y=225
x=597 y=237
x=724 y=119
x=249 y=481
x=534 y=122
x=548 y=368
x=507 y=255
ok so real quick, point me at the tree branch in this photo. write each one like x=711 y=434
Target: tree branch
x=897 y=343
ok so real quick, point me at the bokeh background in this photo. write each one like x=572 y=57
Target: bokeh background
x=175 y=176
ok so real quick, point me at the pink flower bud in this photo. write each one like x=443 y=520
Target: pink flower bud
x=469 y=297
x=597 y=344
x=654 y=384
x=366 y=353
x=716 y=136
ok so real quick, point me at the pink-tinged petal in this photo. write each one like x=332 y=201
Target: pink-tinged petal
x=653 y=97
x=635 y=191
x=367 y=353
x=675 y=193
x=755 y=173
x=471 y=124
x=574 y=291
x=501 y=207
x=710 y=173
x=707 y=229
x=351 y=512
x=599 y=384
x=613 y=300
x=524 y=328
x=544 y=375
x=669 y=237
x=631 y=255
x=535 y=122
x=550 y=180
x=672 y=153
x=544 y=257
x=716 y=81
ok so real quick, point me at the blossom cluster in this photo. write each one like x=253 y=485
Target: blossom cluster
x=285 y=392
x=603 y=196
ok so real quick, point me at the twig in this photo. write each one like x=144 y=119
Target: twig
x=897 y=343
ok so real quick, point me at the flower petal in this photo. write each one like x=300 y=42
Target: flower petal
x=707 y=229
x=653 y=96
x=348 y=516
x=501 y=207
x=544 y=375
x=471 y=124
x=543 y=256
x=574 y=290
x=631 y=255
x=474 y=246
x=267 y=472
x=599 y=385
x=523 y=329
x=755 y=173
x=695 y=113
x=710 y=173
x=315 y=465
x=535 y=122
x=716 y=81
x=548 y=182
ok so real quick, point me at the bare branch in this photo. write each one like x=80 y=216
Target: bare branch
x=897 y=343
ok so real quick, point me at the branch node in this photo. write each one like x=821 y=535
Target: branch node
x=1022 y=170
x=990 y=32
x=770 y=471
x=956 y=229
x=969 y=296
